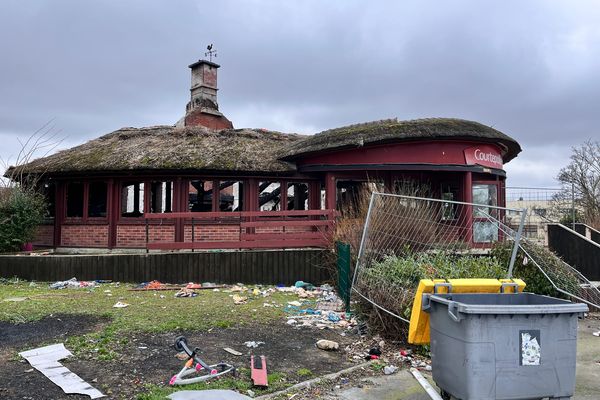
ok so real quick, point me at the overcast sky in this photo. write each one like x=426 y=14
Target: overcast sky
x=528 y=68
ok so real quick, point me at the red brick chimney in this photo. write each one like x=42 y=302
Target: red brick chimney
x=203 y=109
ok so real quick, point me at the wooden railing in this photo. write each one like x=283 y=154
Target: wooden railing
x=256 y=229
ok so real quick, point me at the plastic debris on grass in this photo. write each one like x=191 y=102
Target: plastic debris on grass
x=73 y=283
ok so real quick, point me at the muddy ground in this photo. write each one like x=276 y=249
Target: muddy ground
x=150 y=358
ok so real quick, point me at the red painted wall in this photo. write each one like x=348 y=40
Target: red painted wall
x=438 y=152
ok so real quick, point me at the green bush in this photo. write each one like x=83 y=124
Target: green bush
x=535 y=280
x=21 y=211
x=392 y=282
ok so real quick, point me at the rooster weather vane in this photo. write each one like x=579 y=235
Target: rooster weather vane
x=210 y=53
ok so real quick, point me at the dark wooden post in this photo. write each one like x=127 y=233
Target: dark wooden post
x=330 y=191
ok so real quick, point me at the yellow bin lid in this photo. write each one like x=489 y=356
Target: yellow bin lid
x=418 y=331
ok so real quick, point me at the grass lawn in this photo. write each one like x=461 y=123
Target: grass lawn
x=154 y=314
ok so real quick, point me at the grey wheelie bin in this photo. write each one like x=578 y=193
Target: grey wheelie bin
x=503 y=346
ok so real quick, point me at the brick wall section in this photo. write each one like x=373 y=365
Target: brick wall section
x=212 y=233
x=198 y=118
x=135 y=235
x=84 y=236
x=44 y=236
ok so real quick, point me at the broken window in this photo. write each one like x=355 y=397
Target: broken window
x=161 y=197
x=132 y=199
x=49 y=191
x=352 y=195
x=231 y=196
x=297 y=196
x=449 y=210
x=200 y=196
x=269 y=196
x=75 y=199
x=97 y=199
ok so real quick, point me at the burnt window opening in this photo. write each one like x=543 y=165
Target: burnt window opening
x=200 y=196
x=132 y=199
x=449 y=192
x=97 y=199
x=161 y=197
x=75 y=199
x=231 y=196
x=352 y=196
x=297 y=196
x=49 y=192
x=269 y=196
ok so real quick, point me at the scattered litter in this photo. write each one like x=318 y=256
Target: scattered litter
x=232 y=351
x=390 y=369
x=186 y=293
x=45 y=359
x=304 y=285
x=593 y=333
x=259 y=371
x=253 y=344
x=142 y=347
x=120 y=304
x=211 y=394
x=328 y=345
x=292 y=322
x=16 y=299
x=237 y=299
x=181 y=356
x=73 y=283
x=29 y=370
x=295 y=303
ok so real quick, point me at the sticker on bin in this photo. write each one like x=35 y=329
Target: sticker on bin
x=531 y=352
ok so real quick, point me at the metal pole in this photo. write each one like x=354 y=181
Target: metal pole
x=513 y=256
x=363 y=239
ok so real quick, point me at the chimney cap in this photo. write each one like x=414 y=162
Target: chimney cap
x=200 y=62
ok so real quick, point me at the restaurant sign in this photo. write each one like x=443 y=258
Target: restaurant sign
x=484 y=155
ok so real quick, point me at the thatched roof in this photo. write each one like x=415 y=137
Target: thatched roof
x=171 y=148
x=392 y=130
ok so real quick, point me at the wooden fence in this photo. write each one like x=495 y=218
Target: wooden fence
x=246 y=266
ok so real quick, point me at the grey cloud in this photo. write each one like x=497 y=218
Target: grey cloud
x=529 y=68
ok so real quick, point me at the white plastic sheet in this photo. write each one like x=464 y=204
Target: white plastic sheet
x=45 y=360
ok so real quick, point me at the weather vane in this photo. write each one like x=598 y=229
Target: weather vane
x=210 y=53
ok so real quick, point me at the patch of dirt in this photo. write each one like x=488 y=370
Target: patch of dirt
x=57 y=327
x=150 y=358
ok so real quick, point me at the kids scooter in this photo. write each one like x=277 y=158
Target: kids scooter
x=195 y=370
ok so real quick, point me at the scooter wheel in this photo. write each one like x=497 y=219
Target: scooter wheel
x=179 y=341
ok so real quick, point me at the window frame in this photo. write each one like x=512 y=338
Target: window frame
x=85 y=219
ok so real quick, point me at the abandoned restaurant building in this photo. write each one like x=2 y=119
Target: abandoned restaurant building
x=203 y=184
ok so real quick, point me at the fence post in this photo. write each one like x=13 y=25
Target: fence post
x=363 y=239
x=343 y=267
x=513 y=256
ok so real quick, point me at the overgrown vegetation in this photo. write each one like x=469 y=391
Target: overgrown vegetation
x=22 y=209
x=526 y=269
x=392 y=282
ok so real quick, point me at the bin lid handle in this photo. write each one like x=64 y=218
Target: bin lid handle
x=442 y=284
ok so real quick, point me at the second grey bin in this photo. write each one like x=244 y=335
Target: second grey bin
x=503 y=346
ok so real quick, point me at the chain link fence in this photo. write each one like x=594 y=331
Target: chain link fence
x=407 y=238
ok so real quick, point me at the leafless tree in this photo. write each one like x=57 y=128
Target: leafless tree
x=39 y=144
x=581 y=179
